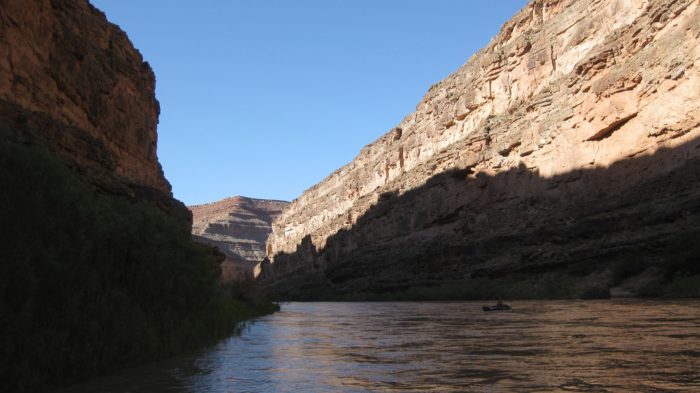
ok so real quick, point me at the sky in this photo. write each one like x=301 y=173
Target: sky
x=265 y=98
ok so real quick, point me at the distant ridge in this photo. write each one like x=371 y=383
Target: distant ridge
x=238 y=226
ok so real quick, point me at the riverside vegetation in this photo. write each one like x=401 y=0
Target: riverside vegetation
x=98 y=269
x=92 y=282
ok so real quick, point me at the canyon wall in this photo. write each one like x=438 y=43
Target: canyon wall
x=570 y=139
x=98 y=268
x=239 y=228
x=73 y=82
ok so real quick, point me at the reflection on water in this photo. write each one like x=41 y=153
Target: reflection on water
x=442 y=347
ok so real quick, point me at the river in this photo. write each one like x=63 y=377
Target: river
x=540 y=346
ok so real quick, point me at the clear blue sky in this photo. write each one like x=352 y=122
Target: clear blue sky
x=266 y=98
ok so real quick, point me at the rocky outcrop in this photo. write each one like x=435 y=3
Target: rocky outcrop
x=239 y=228
x=73 y=82
x=571 y=139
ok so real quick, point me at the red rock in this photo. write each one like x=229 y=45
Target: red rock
x=73 y=82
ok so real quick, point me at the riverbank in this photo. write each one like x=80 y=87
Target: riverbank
x=652 y=283
x=249 y=301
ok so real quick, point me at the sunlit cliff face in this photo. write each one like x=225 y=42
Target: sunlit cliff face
x=567 y=89
x=553 y=91
x=90 y=100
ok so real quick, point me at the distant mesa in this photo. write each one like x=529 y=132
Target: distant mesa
x=238 y=227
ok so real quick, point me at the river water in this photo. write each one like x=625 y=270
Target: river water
x=540 y=346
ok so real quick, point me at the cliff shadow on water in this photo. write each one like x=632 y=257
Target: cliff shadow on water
x=631 y=228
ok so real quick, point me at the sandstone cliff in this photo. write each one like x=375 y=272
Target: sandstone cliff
x=569 y=142
x=239 y=228
x=98 y=270
x=72 y=81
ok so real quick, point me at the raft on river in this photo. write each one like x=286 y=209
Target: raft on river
x=502 y=307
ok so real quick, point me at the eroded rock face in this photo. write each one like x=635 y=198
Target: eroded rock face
x=80 y=255
x=508 y=163
x=73 y=82
x=239 y=228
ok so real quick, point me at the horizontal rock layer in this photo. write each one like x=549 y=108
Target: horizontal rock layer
x=571 y=107
x=73 y=82
x=239 y=228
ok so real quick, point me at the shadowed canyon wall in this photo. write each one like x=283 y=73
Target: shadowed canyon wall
x=239 y=228
x=577 y=106
x=98 y=270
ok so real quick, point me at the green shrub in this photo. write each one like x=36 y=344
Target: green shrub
x=92 y=282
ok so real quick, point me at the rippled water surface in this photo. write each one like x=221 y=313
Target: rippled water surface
x=442 y=347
